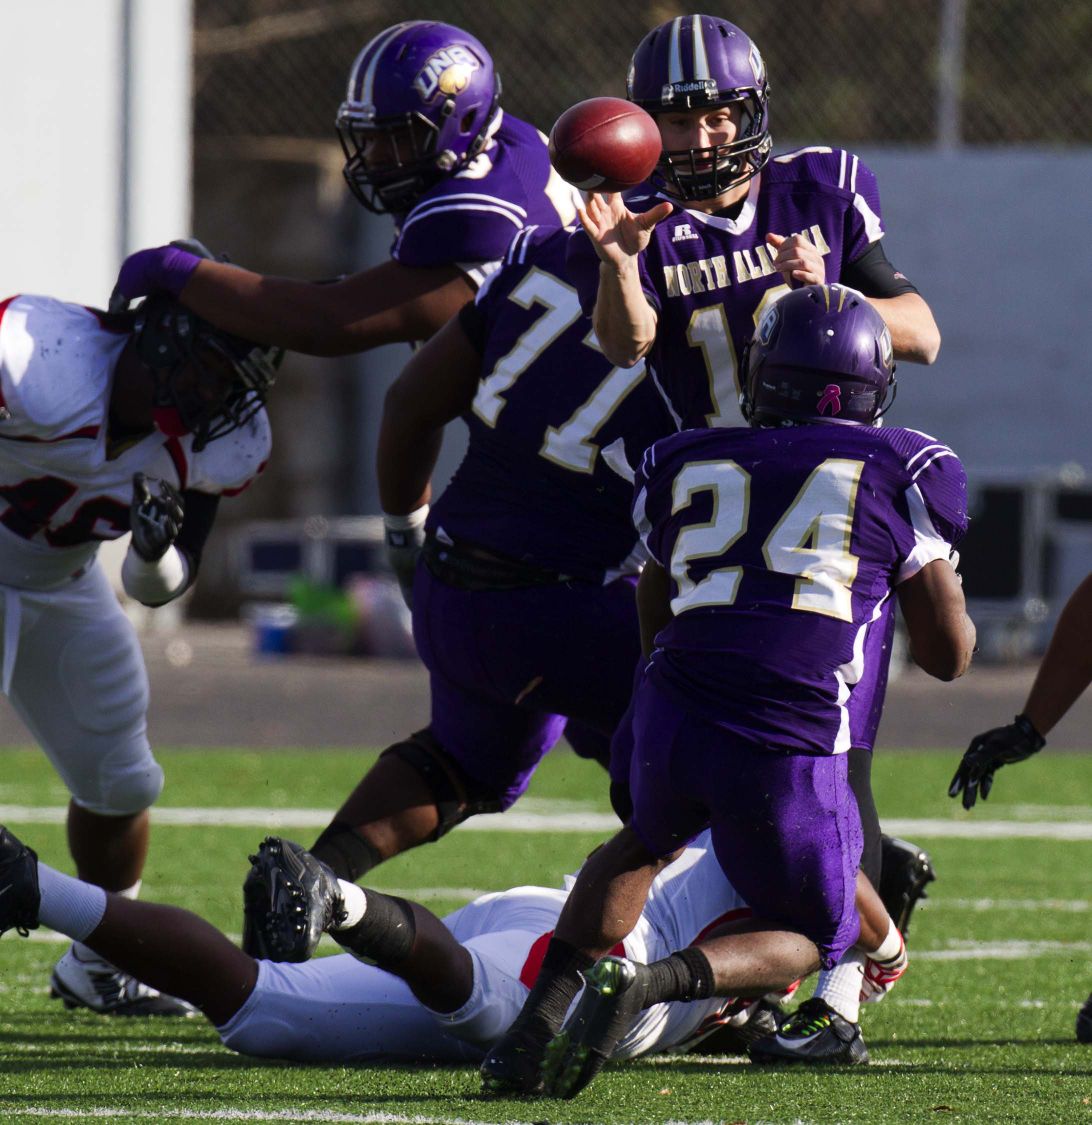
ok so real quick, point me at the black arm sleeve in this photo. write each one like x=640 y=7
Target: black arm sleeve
x=875 y=276
x=196 y=524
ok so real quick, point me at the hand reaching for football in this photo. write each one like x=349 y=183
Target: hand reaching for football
x=155 y=516
x=617 y=233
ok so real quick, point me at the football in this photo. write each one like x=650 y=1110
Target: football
x=605 y=144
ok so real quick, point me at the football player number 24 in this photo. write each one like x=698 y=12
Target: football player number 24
x=811 y=539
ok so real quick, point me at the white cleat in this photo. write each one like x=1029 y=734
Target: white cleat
x=101 y=987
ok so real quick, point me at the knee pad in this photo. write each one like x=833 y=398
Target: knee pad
x=126 y=781
x=457 y=796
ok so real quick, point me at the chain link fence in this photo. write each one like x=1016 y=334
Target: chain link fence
x=269 y=75
x=945 y=72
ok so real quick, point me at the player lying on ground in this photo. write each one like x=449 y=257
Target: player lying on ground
x=108 y=424
x=1065 y=673
x=524 y=609
x=445 y=988
x=425 y=141
x=772 y=549
x=682 y=273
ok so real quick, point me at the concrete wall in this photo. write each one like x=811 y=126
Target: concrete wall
x=997 y=241
x=95 y=157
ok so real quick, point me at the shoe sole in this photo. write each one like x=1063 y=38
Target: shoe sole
x=570 y=1062
x=272 y=883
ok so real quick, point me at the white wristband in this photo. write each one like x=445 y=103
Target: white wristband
x=155 y=583
x=409 y=521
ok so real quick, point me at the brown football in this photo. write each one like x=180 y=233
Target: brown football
x=604 y=144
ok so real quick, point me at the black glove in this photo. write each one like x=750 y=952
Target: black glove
x=403 y=548
x=155 y=516
x=988 y=753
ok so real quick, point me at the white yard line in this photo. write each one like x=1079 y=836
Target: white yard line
x=984 y=905
x=326 y=1117
x=598 y=823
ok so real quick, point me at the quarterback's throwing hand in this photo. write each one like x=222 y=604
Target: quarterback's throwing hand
x=988 y=753
x=155 y=516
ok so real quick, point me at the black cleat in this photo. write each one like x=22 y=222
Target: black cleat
x=19 y=895
x=513 y=1066
x=613 y=997
x=813 y=1034
x=905 y=872
x=1084 y=1022
x=289 y=900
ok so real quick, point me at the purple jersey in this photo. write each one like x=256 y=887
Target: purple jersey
x=554 y=428
x=783 y=547
x=468 y=219
x=710 y=278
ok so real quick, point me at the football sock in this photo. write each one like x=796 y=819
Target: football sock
x=840 y=987
x=345 y=852
x=69 y=905
x=354 y=901
x=890 y=948
x=384 y=934
x=558 y=982
x=685 y=975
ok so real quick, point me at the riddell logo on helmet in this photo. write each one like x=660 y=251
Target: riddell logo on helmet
x=447 y=72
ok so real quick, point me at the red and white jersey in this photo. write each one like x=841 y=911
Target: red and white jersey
x=60 y=494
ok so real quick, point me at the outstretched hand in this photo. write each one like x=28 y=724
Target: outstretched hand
x=990 y=751
x=617 y=233
x=159 y=269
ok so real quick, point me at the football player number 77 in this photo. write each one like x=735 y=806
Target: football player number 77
x=571 y=444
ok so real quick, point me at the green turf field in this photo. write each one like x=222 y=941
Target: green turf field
x=980 y=1029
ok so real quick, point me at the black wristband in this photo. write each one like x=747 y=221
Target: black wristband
x=1027 y=728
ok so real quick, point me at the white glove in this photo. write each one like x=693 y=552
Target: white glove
x=405 y=536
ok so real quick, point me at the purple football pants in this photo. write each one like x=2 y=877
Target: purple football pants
x=785 y=827
x=508 y=667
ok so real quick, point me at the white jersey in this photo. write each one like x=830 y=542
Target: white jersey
x=60 y=494
x=336 y=1008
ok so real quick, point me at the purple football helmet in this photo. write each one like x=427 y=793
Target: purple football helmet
x=421 y=101
x=819 y=354
x=704 y=62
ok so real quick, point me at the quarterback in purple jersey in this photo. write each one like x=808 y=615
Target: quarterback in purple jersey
x=772 y=550
x=524 y=607
x=109 y=424
x=425 y=141
x=681 y=274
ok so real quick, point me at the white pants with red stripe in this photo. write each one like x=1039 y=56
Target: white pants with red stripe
x=339 y=1009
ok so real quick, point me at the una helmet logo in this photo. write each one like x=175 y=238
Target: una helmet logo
x=447 y=72
x=831 y=396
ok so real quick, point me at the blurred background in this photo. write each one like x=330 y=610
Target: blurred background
x=131 y=122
